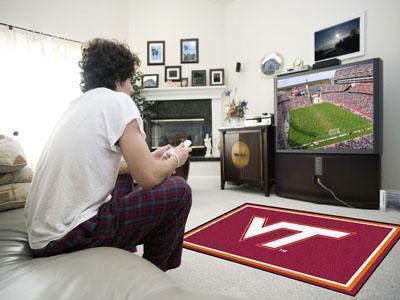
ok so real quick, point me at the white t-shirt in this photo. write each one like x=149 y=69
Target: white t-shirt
x=79 y=165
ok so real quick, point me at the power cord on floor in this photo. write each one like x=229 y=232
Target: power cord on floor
x=333 y=194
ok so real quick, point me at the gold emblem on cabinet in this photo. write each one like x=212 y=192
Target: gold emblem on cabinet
x=240 y=154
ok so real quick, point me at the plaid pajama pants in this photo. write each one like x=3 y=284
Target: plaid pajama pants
x=155 y=218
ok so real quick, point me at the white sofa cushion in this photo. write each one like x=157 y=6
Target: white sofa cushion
x=13 y=195
x=12 y=157
x=21 y=176
x=98 y=273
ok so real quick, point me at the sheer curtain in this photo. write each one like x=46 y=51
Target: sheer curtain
x=39 y=77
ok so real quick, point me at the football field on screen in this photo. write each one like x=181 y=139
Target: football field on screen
x=323 y=124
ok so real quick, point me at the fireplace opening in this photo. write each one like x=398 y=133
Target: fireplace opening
x=178 y=120
x=175 y=131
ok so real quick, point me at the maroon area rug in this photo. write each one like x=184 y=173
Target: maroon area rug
x=337 y=253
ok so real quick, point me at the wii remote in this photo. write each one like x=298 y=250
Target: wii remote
x=186 y=144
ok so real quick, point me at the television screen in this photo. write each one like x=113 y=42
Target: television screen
x=330 y=110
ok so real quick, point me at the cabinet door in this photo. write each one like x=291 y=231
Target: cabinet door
x=242 y=156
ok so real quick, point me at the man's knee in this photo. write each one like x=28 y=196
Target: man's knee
x=183 y=191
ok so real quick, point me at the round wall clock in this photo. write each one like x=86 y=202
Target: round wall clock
x=271 y=63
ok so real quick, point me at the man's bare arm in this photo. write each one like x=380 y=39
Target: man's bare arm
x=147 y=171
x=123 y=167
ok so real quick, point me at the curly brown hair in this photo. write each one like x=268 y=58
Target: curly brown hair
x=105 y=62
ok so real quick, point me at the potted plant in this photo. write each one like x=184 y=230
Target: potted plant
x=145 y=107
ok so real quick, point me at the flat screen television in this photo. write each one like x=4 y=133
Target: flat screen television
x=332 y=110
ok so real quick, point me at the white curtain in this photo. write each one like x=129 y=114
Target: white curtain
x=39 y=77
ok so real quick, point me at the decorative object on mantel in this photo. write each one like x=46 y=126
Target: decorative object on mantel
x=271 y=63
x=150 y=81
x=173 y=73
x=173 y=83
x=236 y=109
x=217 y=77
x=199 y=78
x=189 y=51
x=142 y=104
x=298 y=62
x=155 y=52
x=207 y=144
x=184 y=82
x=298 y=66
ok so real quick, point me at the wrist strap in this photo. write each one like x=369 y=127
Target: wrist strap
x=177 y=158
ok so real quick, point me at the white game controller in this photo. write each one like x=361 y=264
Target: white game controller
x=186 y=144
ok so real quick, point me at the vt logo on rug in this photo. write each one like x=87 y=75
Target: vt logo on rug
x=257 y=227
x=334 y=252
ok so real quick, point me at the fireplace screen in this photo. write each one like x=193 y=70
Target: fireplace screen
x=175 y=131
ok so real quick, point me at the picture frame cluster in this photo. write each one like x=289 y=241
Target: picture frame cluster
x=189 y=54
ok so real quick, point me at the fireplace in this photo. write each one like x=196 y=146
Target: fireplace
x=178 y=120
x=185 y=113
x=175 y=131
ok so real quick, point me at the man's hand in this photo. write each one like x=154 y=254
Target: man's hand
x=142 y=166
x=157 y=154
x=180 y=152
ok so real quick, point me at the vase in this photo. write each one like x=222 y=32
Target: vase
x=236 y=122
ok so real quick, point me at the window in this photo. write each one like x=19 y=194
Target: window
x=39 y=77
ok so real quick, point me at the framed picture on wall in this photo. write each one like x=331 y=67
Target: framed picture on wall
x=173 y=73
x=199 y=78
x=189 y=51
x=343 y=39
x=156 y=52
x=150 y=81
x=217 y=77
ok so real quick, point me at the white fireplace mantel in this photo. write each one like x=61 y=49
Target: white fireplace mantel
x=215 y=93
x=184 y=93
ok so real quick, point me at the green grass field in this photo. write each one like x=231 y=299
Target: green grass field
x=324 y=124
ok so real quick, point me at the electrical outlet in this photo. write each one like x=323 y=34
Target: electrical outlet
x=318 y=166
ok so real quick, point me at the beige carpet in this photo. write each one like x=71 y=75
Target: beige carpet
x=203 y=272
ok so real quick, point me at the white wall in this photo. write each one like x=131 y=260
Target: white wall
x=287 y=27
x=243 y=30
x=171 y=21
x=75 y=19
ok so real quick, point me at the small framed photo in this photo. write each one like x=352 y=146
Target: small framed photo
x=217 y=77
x=189 y=51
x=199 y=78
x=184 y=82
x=173 y=73
x=156 y=52
x=150 y=81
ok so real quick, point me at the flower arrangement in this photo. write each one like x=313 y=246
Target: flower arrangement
x=236 y=108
